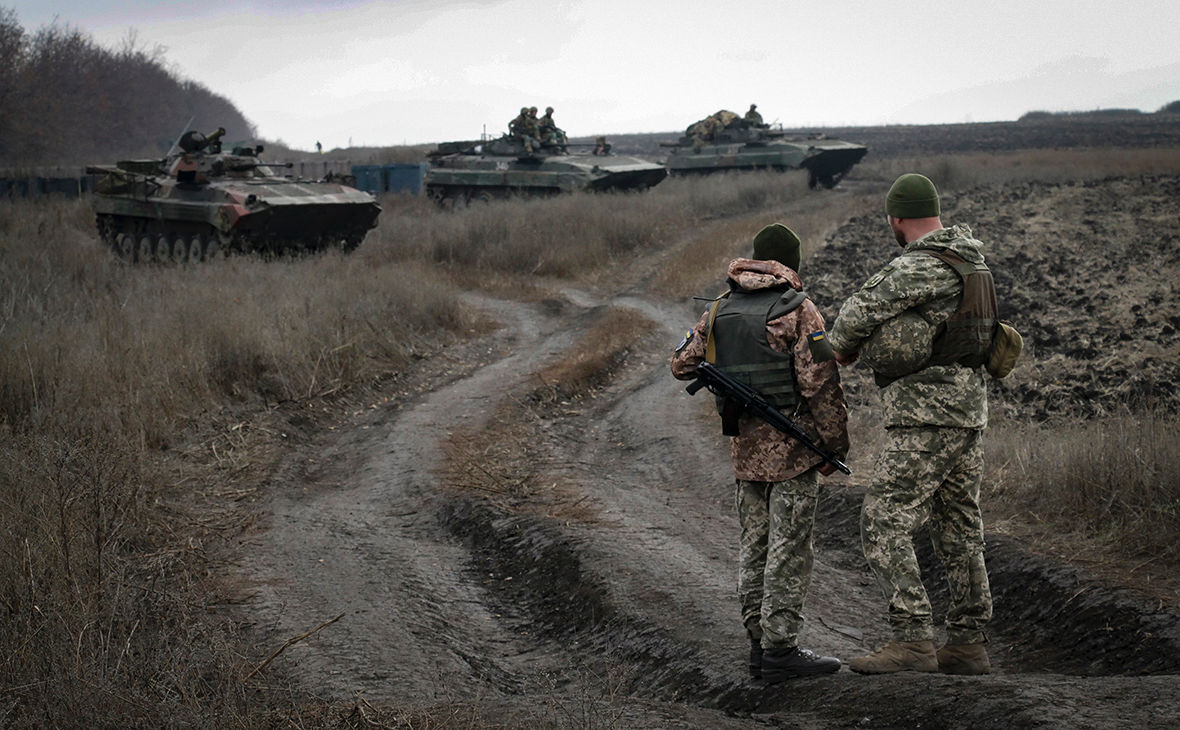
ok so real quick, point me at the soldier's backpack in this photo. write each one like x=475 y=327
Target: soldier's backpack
x=973 y=335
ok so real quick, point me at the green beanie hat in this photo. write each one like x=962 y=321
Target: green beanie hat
x=912 y=196
x=778 y=243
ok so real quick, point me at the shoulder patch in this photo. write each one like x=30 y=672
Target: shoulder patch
x=684 y=343
x=821 y=349
x=878 y=277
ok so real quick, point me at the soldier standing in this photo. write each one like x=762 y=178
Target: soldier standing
x=931 y=465
x=753 y=118
x=764 y=331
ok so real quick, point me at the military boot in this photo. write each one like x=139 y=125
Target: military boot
x=963 y=659
x=755 y=659
x=781 y=664
x=898 y=656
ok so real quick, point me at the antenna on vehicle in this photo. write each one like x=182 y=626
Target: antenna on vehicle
x=175 y=141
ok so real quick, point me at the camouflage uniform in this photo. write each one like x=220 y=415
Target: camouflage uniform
x=524 y=128
x=547 y=129
x=931 y=465
x=777 y=480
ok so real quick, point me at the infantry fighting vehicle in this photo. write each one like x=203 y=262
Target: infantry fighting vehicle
x=199 y=201
x=726 y=141
x=461 y=172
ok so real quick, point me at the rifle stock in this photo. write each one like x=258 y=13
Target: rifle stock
x=720 y=384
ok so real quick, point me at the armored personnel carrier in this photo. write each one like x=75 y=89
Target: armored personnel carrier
x=726 y=141
x=461 y=172
x=199 y=201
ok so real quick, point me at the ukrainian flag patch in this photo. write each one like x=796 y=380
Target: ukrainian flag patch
x=821 y=350
x=684 y=343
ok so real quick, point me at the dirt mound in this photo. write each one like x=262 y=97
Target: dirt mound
x=1086 y=271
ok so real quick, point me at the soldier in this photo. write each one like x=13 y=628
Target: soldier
x=753 y=118
x=524 y=128
x=547 y=129
x=931 y=464
x=519 y=122
x=767 y=333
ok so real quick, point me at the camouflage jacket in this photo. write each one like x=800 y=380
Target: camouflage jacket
x=938 y=395
x=760 y=452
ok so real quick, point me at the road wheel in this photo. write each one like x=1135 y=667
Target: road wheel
x=125 y=247
x=143 y=254
x=163 y=249
x=196 y=248
x=179 y=250
x=458 y=200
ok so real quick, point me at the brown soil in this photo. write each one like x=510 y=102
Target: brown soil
x=481 y=612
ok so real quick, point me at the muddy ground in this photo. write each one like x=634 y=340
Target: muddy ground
x=612 y=604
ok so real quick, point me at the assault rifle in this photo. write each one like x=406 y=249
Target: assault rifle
x=723 y=386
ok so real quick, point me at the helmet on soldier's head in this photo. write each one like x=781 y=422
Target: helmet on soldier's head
x=548 y=110
x=532 y=110
x=524 y=110
x=899 y=346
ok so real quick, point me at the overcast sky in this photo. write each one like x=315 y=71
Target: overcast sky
x=375 y=72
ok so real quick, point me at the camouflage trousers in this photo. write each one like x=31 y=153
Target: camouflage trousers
x=929 y=476
x=776 y=555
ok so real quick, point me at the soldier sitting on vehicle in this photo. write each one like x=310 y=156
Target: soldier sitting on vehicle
x=753 y=118
x=524 y=129
x=548 y=131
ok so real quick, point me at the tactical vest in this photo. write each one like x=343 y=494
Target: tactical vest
x=965 y=337
x=736 y=343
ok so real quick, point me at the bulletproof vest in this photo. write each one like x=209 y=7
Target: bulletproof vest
x=965 y=337
x=737 y=344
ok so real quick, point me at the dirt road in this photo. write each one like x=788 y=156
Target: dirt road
x=453 y=606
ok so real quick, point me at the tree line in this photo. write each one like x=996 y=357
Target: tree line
x=65 y=100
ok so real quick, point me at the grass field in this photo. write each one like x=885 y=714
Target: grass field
x=138 y=403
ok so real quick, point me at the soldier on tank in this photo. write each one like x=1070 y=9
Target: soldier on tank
x=765 y=332
x=547 y=129
x=524 y=129
x=926 y=319
x=753 y=118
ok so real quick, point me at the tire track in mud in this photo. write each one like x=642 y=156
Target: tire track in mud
x=439 y=593
x=367 y=544
x=661 y=608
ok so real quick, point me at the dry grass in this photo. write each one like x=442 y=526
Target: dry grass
x=570 y=236
x=599 y=352
x=108 y=376
x=1115 y=481
x=133 y=398
x=505 y=460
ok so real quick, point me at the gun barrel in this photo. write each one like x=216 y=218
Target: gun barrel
x=708 y=375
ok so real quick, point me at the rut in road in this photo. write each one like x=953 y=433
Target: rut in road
x=361 y=538
x=449 y=600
